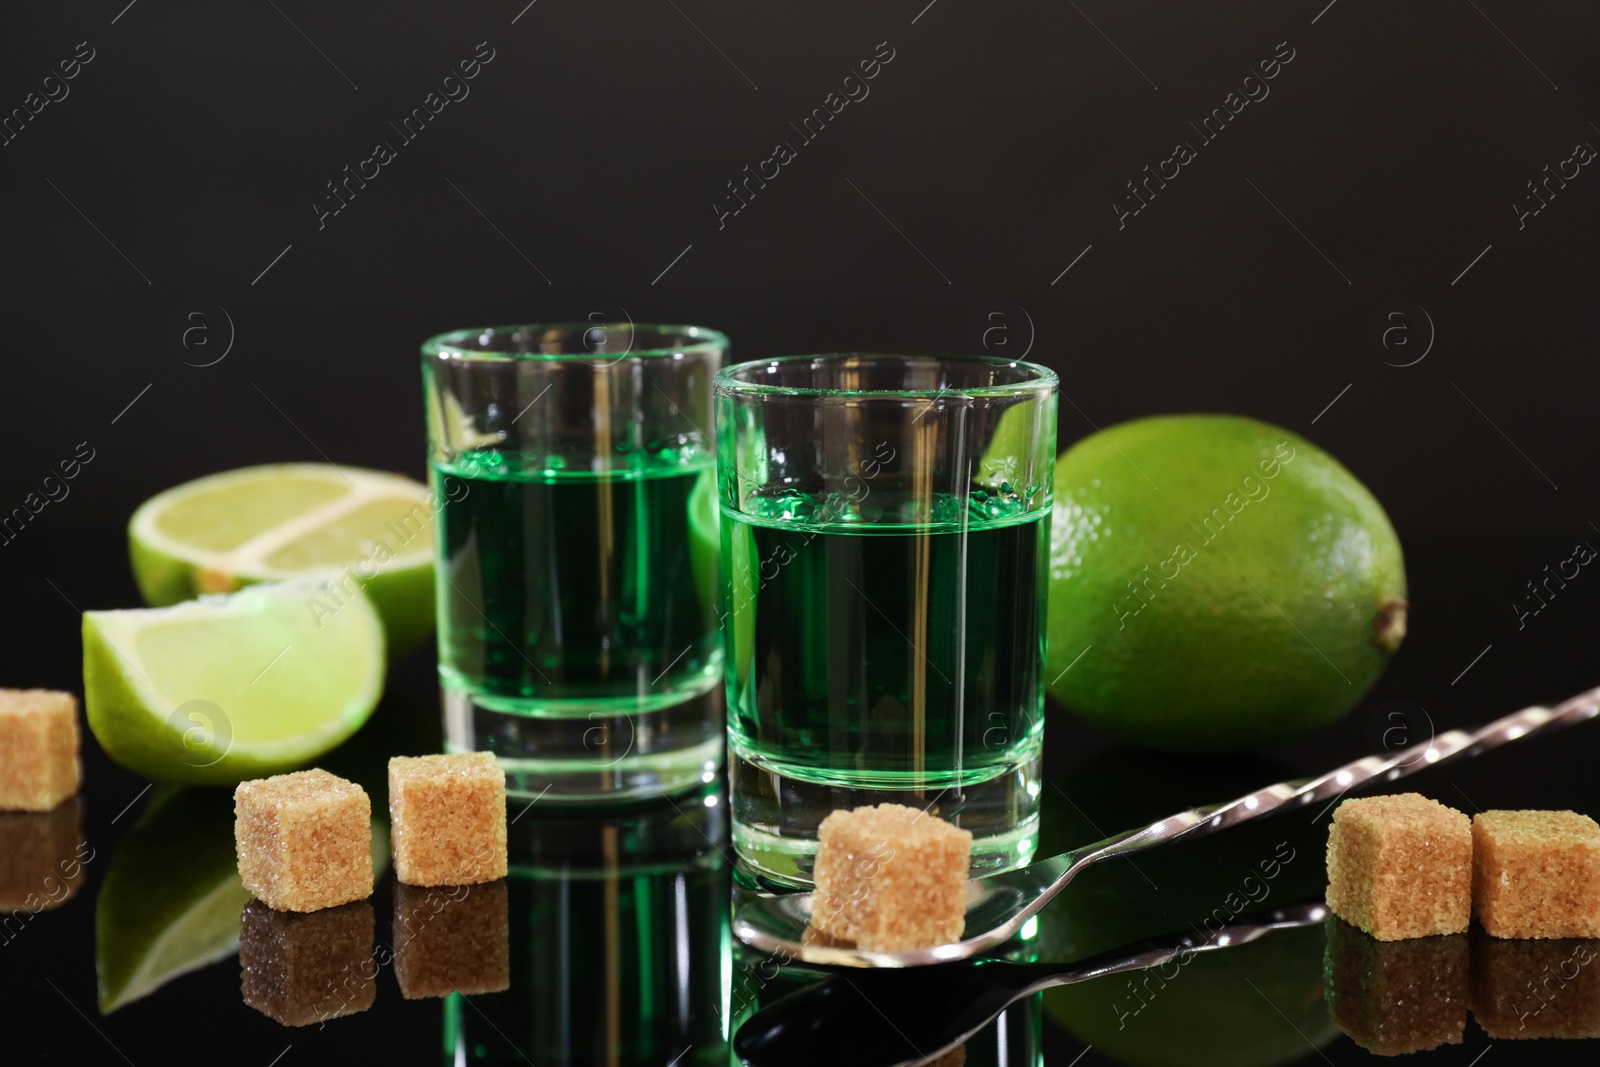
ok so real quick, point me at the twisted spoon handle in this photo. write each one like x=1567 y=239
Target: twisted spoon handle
x=1448 y=745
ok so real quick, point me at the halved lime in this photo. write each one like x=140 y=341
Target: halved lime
x=262 y=524
x=225 y=688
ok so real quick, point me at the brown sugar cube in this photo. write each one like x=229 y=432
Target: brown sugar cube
x=1536 y=873
x=1395 y=997
x=299 y=969
x=304 y=840
x=454 y=939
x=1400 y=866
x=1529 y=989
x=448 y=818
x=41 y=860
x=891 y=878
x=39 y=765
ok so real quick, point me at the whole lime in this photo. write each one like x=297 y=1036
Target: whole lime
x=1216 y=584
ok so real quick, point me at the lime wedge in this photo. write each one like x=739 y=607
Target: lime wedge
x=225 y=688
x=263 y=524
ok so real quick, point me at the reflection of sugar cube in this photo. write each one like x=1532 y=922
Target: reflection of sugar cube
x=1537 y=873
x=1400 y=866
x=301 y=969
x=1394 y=997
x=1544 y=988
x=891 y=878
x=304 y=840
x=41 y=857
x=38 y=748
x=448 y=818
x=451 y=940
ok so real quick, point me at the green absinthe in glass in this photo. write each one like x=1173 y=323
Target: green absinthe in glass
x=568 y=590
x=880 y=655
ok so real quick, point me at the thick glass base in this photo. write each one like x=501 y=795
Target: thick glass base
x=775 y=814
x=593 y=752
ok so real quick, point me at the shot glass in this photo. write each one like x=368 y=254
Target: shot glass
x=576 y=553
x=885 y=533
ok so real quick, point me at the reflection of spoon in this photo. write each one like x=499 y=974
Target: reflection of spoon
x=913 y=1017
x=999 y=904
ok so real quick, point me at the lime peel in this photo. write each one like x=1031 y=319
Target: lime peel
x=224 y=688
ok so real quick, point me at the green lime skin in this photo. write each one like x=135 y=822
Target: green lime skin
x=278 y=722
x=1202 y=1012
x=1226 y=583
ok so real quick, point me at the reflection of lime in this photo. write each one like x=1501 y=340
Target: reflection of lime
x=740 y=581
x=1203 y=1010
x=1200 y=885
x=398 y=727
x=1203 y=882
x=704 y=536
x=172 y=896
x=281 y=674
x=380 y=848
x=1017 y=460
x=1227 y=584
x=262 y=524
x=171 y=899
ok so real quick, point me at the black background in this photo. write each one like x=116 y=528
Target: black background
x=601 y=134
x=597 y=141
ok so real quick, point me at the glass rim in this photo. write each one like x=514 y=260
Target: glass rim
x=458 y=344
x=1041 y=382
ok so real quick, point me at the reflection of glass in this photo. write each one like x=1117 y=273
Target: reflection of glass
x=576 y=543
x=451 y=939
x=1394 y=997
x=885 y=533
x=619 y=942
x=1527 y=989
x=41 y=862
x=300 y=968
